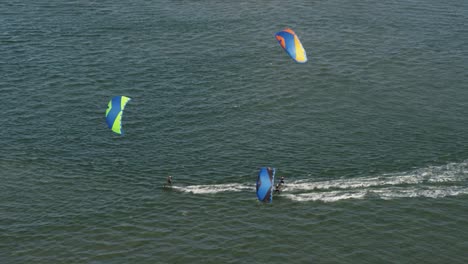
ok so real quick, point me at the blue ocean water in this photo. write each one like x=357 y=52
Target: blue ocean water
x=370 y=134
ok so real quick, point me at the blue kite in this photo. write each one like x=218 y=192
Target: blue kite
x=265 y=183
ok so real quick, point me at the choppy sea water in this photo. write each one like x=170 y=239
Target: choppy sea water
x=371 y=133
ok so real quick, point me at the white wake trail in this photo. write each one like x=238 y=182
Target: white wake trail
x=430 y=182
x=382 y=193
x=216 y=188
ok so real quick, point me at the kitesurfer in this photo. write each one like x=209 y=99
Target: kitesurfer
x=278 y=188
x=279 y=185
x=169 y=180
x=282 y=180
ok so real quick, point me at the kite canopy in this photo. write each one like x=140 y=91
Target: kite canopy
x=292 y=45
x=265 y=182
x=114 y=113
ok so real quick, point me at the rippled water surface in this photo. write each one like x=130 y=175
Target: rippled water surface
x=371 y=133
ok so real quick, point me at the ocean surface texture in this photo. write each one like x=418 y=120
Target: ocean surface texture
x=371 y=134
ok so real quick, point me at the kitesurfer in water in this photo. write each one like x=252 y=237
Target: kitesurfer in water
x=169 y=181
x=279 y=185
x=282 y=180
x=278 y=188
